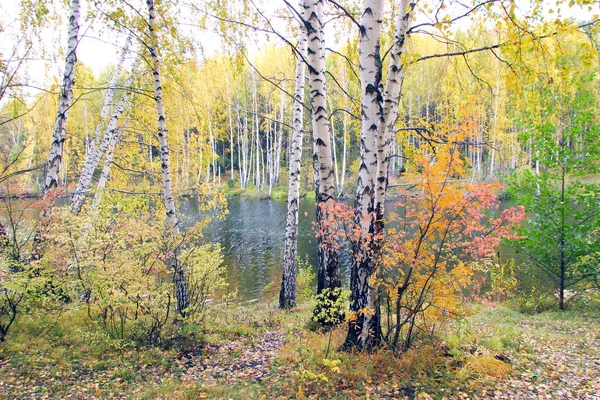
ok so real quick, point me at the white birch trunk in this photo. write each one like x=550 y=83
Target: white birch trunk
x=329 y=271
x=495 y=130
x=287 y=294
x=239 y=146
x=171 y=212
x=256 y=132
x=213 y=146
x=380 y=112
x=168 y=198
x=269 y=165
x=105 y=174
x=334 y=151
x=391 y=96
x=371 y=123
x=64 y=105
x=280 y=136
x=231 y=146
x=99 y=147
x=344 y=151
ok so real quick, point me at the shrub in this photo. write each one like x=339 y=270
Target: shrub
x=535 y=302
x=331 y=307
x=305 y=279
x=503 y=280
x=117 y=267
x=24 y=281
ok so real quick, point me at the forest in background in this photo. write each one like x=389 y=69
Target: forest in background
x=230 y=114
x=422 y=115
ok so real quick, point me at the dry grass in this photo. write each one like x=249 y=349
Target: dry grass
x=484 y=366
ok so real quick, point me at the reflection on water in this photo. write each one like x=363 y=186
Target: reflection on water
x=252 y=237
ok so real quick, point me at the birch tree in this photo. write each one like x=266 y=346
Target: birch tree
x=287 y=295
x=379 y=115
x=372 y=120
x=329 y=269
x=169 y=201
x=66 y=99
x=98 y=147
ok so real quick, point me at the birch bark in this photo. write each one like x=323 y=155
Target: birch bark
x=372 y=121
x=379 y=115
x=329 y=269
x=110 y=151
x=391 y=98
x=99 y=147
x=287 y=295
x=66 y=100
x=231 y=145
x=179 y=280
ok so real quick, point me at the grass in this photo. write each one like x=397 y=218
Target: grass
x=69 y=356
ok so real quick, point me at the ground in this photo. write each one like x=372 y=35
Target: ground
x=257 y=351
x=558 y=355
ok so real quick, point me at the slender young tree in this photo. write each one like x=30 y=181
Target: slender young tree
x=98 y=148
x=179 y=280
x=287 y=295
x=329 y=264
x=105 y=173
x=66 y=99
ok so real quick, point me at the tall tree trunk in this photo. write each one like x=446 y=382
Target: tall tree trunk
x=213 y=146
x=243 y=152
x=329 y=265
x=97 y=150
x=104 y=175
x=110 y=140
x=371 y=123
x=341 y=192
x=495 y=129
x=379 y=115
x=287 y=295
x=257 y=180
x=334 y=151
x=239 y=146
x=280 y=136
x=181 y=291
x=64 y=105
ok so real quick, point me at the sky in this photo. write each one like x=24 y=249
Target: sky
x=97 y=49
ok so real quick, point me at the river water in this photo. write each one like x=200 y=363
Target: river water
x=252 y=237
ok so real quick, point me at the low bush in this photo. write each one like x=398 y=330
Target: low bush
x=116 y=266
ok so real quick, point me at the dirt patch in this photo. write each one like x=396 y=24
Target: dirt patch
x=247 y=359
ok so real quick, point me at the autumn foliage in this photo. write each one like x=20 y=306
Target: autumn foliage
x=441 y=232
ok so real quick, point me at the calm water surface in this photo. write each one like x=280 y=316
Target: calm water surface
x=252 y=237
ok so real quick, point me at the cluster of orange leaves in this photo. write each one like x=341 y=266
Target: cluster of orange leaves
x=437 y=236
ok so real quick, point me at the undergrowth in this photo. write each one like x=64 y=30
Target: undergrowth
x=59 y=355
